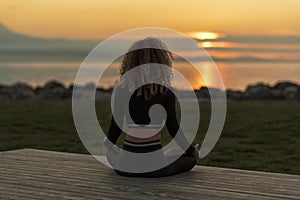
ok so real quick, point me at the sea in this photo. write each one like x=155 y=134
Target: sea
x=234 y=75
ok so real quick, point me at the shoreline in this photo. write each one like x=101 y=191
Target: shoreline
x=55 y=89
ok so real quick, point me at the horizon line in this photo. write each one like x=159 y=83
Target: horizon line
x=223 y=35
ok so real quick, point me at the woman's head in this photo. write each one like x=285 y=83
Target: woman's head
x=147 y=51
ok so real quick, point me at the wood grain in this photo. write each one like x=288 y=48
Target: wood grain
x=39 y=174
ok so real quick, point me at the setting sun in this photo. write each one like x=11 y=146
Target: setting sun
x=205 y=35
x=205 y=44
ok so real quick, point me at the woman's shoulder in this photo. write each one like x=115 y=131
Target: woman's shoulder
x=170 y=91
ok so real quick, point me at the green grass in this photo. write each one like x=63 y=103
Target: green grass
x=261 y=136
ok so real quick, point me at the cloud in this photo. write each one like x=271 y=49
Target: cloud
x=266 y=39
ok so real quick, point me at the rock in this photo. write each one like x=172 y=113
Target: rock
x=234 y=95
x=108 y=90
x=207 y=93
x=258 y=92
x=290 y=92
x=17 y=91
x=277 y=94
x=68 y=92
x=297 y=97
x=283 y=85
x=90 y=86
x=84 y=92
x=51 y=90
x=202 y=93
x=22 y=91
x=286 y=90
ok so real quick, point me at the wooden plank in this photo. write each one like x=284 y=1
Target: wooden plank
x=46 y=174
x=89 y=175
x=83 y=157
x=225 y=179
x=214 y=170
x=88 y=160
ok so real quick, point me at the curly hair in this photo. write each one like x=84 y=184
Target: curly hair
x=148 y=51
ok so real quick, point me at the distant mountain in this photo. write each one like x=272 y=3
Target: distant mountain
x=17 y=47
x=11 y=40
x=8 y=36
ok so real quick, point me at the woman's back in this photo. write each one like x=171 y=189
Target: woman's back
x=145 y=75
x=139 y=111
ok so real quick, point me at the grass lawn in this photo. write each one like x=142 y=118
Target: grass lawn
x=261 y=136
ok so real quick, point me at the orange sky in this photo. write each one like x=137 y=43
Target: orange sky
x=87 y=19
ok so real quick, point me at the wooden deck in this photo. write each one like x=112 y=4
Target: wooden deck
x=37 y=174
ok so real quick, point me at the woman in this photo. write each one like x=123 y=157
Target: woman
x=149 y=50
